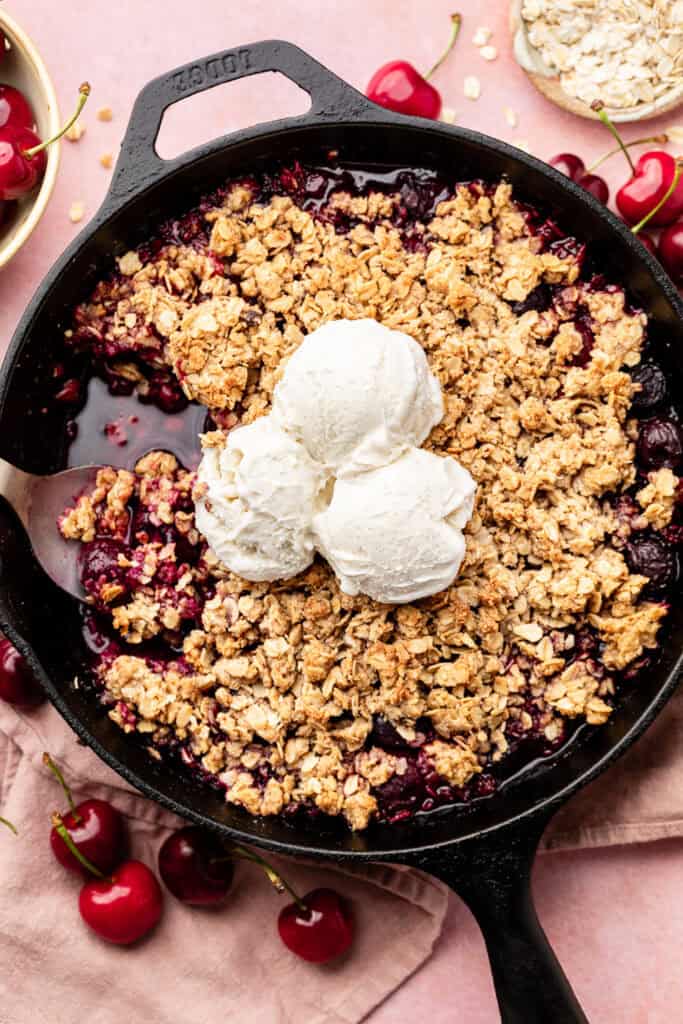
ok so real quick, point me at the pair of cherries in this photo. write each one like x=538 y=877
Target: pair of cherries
x=23 y=155
x=198 y=870
x=121 y=899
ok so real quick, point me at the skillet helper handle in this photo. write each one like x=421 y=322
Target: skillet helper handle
x=139 y=165
x=493 y=877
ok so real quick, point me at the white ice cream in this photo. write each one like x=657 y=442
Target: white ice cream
x=336 y=468
x=261 y=494
x=357 y=394
x=395 y=533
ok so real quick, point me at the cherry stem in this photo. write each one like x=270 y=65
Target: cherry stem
x=83 y=93
x=599 y=108
x=660 y=139
x=655 y=209
x=456 y=22
x=274 y=877
x=49 y=763
x=9 y=825
x=63 y=832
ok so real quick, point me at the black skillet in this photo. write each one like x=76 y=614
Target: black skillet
x=486 y=852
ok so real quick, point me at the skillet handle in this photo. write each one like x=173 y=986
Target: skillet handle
x=492 y=875
x=139 y=165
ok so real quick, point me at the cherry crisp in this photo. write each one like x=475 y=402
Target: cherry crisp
x=291 y=696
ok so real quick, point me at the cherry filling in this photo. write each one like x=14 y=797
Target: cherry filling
x=100 y=568
x=660 y=443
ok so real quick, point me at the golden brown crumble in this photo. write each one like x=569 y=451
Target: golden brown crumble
x=281 y=682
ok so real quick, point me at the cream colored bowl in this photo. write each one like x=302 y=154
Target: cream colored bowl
x=23 y=68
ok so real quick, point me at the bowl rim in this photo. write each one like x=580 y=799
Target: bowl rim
x=29 y=51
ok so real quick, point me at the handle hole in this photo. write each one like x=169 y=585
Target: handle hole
x=227 y=108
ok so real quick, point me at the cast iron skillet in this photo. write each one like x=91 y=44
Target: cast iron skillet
x=486 y=852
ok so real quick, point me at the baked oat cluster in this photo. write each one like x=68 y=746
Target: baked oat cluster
x=293 y=694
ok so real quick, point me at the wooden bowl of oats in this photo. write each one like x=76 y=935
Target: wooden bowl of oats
x=626 y=53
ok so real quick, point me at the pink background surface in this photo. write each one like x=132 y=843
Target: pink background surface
x=614 y=916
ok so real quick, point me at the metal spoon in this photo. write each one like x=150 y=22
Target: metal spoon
x=38 y=502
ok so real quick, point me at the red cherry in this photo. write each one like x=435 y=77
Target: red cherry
x=123 y=908
x=98 y=831
x=569 y=164
x=19 y=174
x=194 y=866
x=648 y=241
x=596 y=185
x=321 y=932
x=653 y=176
x=14 y=108
x=18 y=686
x=400 y=87
x=671 y=250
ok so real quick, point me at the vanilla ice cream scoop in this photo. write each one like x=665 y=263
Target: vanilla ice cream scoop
x=357 y=394
x=260 y=492
x=395 y=533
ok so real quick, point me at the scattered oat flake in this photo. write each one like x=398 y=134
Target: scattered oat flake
x=522 y=144
x=510 y=116
x=76 y=211
x=448 y=115
x=75 y=132
x=675 y=133
x=107 y=160
x=481 y=36
x=472 y=87
x=489 y=52
x=105 y=114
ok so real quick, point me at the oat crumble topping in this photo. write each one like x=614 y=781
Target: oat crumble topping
x=276 y=689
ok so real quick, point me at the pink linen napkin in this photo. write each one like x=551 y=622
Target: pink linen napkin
x=229 y=964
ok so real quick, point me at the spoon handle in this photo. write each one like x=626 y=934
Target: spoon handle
x=15 y=487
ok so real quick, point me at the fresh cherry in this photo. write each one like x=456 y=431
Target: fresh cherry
x=194 y=866
x=95 y=828
x=400 y=87
x=15 y=110
x=121 y=907
x=18 y=685
x=569 y=164
x=652 y=178
x=23 y=156
x=596 y=185
x=574 y=167
x=670 y=250
x=318 y=928
x=125 y=907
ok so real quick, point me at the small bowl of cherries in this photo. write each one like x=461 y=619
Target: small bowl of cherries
x=29 y=117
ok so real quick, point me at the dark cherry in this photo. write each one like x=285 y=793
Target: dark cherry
x=670 y=250
x=100 y=564
x=385 y=735
x=660 y=443
x=98 y=831
x=15 y=108
x=596 y=185
x=540 y=299
x=322 y=931
x=125 y=907
x=650 y=555
x=166 y=393
x=18 y=685
x=402 y=792
x=651 y=381
x=194 y=866
x=3 y=46
x=569 y=164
